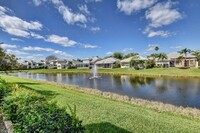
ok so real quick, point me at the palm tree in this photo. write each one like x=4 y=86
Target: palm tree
x=156 y=48
x=161 y=56
x=184 y=51
x=197 y=54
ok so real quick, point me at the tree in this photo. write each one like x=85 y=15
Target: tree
x=161 y=56
x=51 y=57
x=118 y=55
x=185 y=52
x=7 y=61
x=197 y=54
x=130 y=55
x=156 y=48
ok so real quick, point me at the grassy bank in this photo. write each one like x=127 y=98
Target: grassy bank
x=104 y=115
x=174 y=72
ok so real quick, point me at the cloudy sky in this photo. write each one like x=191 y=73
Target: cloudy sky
x=34 y=29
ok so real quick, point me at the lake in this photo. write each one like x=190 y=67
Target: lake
x=177 y=91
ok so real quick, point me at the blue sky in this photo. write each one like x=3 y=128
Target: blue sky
x=34 y=29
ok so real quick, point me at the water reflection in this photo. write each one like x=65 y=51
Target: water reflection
x=184 y=92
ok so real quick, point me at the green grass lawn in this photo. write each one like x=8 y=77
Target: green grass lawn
x=101 y=115
x=147 y=72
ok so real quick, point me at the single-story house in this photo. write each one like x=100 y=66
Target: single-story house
x=107 y=63
x=87 y=63
x=126 y=63
x=58 y=64
x=174 y=61
x=41 y=64
x=29 y=64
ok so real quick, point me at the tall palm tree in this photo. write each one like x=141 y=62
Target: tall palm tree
x=156 y=48
x=185 y=52
x=197 y=54
x=161 y=56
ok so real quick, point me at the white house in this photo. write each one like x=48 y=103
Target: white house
x=87 y=63
x=126 y=63
x=41 y=64
x=107 y=63
x=174 y=61
x=29 y=64
x=58 y=64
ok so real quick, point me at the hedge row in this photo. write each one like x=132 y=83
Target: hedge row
x=31 y=112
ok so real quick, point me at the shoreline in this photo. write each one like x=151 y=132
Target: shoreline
x=88 y=71
x=155 y=105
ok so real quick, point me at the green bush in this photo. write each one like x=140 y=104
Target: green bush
x=30 y=112
x=35 y=114
x=150 y=64
x=5 y=88
x=184 y=67
x=136 y=67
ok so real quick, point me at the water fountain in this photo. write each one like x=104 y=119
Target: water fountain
x=94 y=73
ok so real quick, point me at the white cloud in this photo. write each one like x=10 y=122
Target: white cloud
x=16 y=52
x=176 y=47
x=159 y=33
x=90 y=46
x=16 y=26
x=127 y=49
x=84 y=9
x=163 y=14
x=109 y=53
x=5 y=46
x=17 y=39
x=30 y=48
x=64 y=41
x=95 y=29
x=37 y=36
x=93 y=1
x=69 y=16
x=37 y=2
x=130 y=6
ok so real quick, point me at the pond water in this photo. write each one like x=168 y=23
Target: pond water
x=181 y=92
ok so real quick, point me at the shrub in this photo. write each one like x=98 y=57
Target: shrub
x=5 y=88
x=31 y=112
x=184 y=67
x=149 y=64
x=35 y=114
x=136 y=67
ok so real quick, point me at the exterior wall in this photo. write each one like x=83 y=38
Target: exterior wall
x=189 y=63
x=175 y=63
x=125 y=65
x=163 y=63
x=83 y=66
x=104 y=65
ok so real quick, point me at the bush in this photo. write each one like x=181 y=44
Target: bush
x=184 y=67
x=136 y=67
x=149 y=64
x=35 y=114
x=117 y=65
x=31 y=112
x=5 y=88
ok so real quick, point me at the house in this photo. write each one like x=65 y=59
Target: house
x=58 y=64
x=41 y=64
x=175 y=61
x=29 y=64
x=87 y=63
x=107 y=63
x=126 y=63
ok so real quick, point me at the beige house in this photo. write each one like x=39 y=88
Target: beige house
x=173 y=61
x=107 y=63
x=126 y=63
